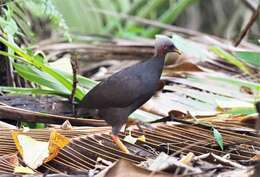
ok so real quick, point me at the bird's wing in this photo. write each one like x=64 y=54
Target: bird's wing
x=119 y=90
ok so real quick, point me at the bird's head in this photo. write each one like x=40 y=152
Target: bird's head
x=164 y=45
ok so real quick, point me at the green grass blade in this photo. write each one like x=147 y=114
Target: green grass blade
x=230 y=58
x=241 y=111
x=31 y=91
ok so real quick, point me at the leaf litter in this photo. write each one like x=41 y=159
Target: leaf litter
x=186 y=147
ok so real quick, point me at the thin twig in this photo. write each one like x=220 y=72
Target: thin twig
x=257 y=105
x=227 y=161
x=74 y=65
x=248 y=26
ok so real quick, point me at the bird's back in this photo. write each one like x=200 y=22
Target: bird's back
x=125 y=87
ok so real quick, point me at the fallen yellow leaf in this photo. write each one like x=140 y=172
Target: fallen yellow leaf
x=23 y=170
x=56 y=142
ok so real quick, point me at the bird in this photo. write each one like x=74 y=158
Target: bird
x=116 y=97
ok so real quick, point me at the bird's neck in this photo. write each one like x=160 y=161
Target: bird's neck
x=159 y=58
x=156 y=63
x=161 y=53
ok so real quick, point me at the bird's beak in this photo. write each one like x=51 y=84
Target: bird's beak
x=175 y=50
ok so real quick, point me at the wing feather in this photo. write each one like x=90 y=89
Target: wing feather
x=120 y=90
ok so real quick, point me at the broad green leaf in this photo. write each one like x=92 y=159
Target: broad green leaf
x=218 y=138
x=230 y=58
x=252 y=58
x=34 y=75
x=7 y=23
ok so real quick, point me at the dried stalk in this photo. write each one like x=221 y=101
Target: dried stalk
x=248 y=26
x=74 y=65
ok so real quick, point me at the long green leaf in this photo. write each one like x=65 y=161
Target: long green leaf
x=31 y=91
x=85 y=82
x=241 y=111
x=34 y=75
x=230 y=58
x=252 y=58
x=29 y=59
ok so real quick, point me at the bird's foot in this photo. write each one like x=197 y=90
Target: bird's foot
x=119 y=144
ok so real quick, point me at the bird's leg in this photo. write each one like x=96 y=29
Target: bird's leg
x=119 y=144
x=141 y=124
x=140 y=127
x=128 y=124
x=138 y=123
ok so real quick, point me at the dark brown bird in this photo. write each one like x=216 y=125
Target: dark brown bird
x=119 y=95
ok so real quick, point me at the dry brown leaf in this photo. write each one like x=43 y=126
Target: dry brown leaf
x=175 y=59
x=185 y=66
x=256 y=157
x=11 y=159
x=249 y=119
x=123 y=168
x=247 y=90
x=175 y=63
